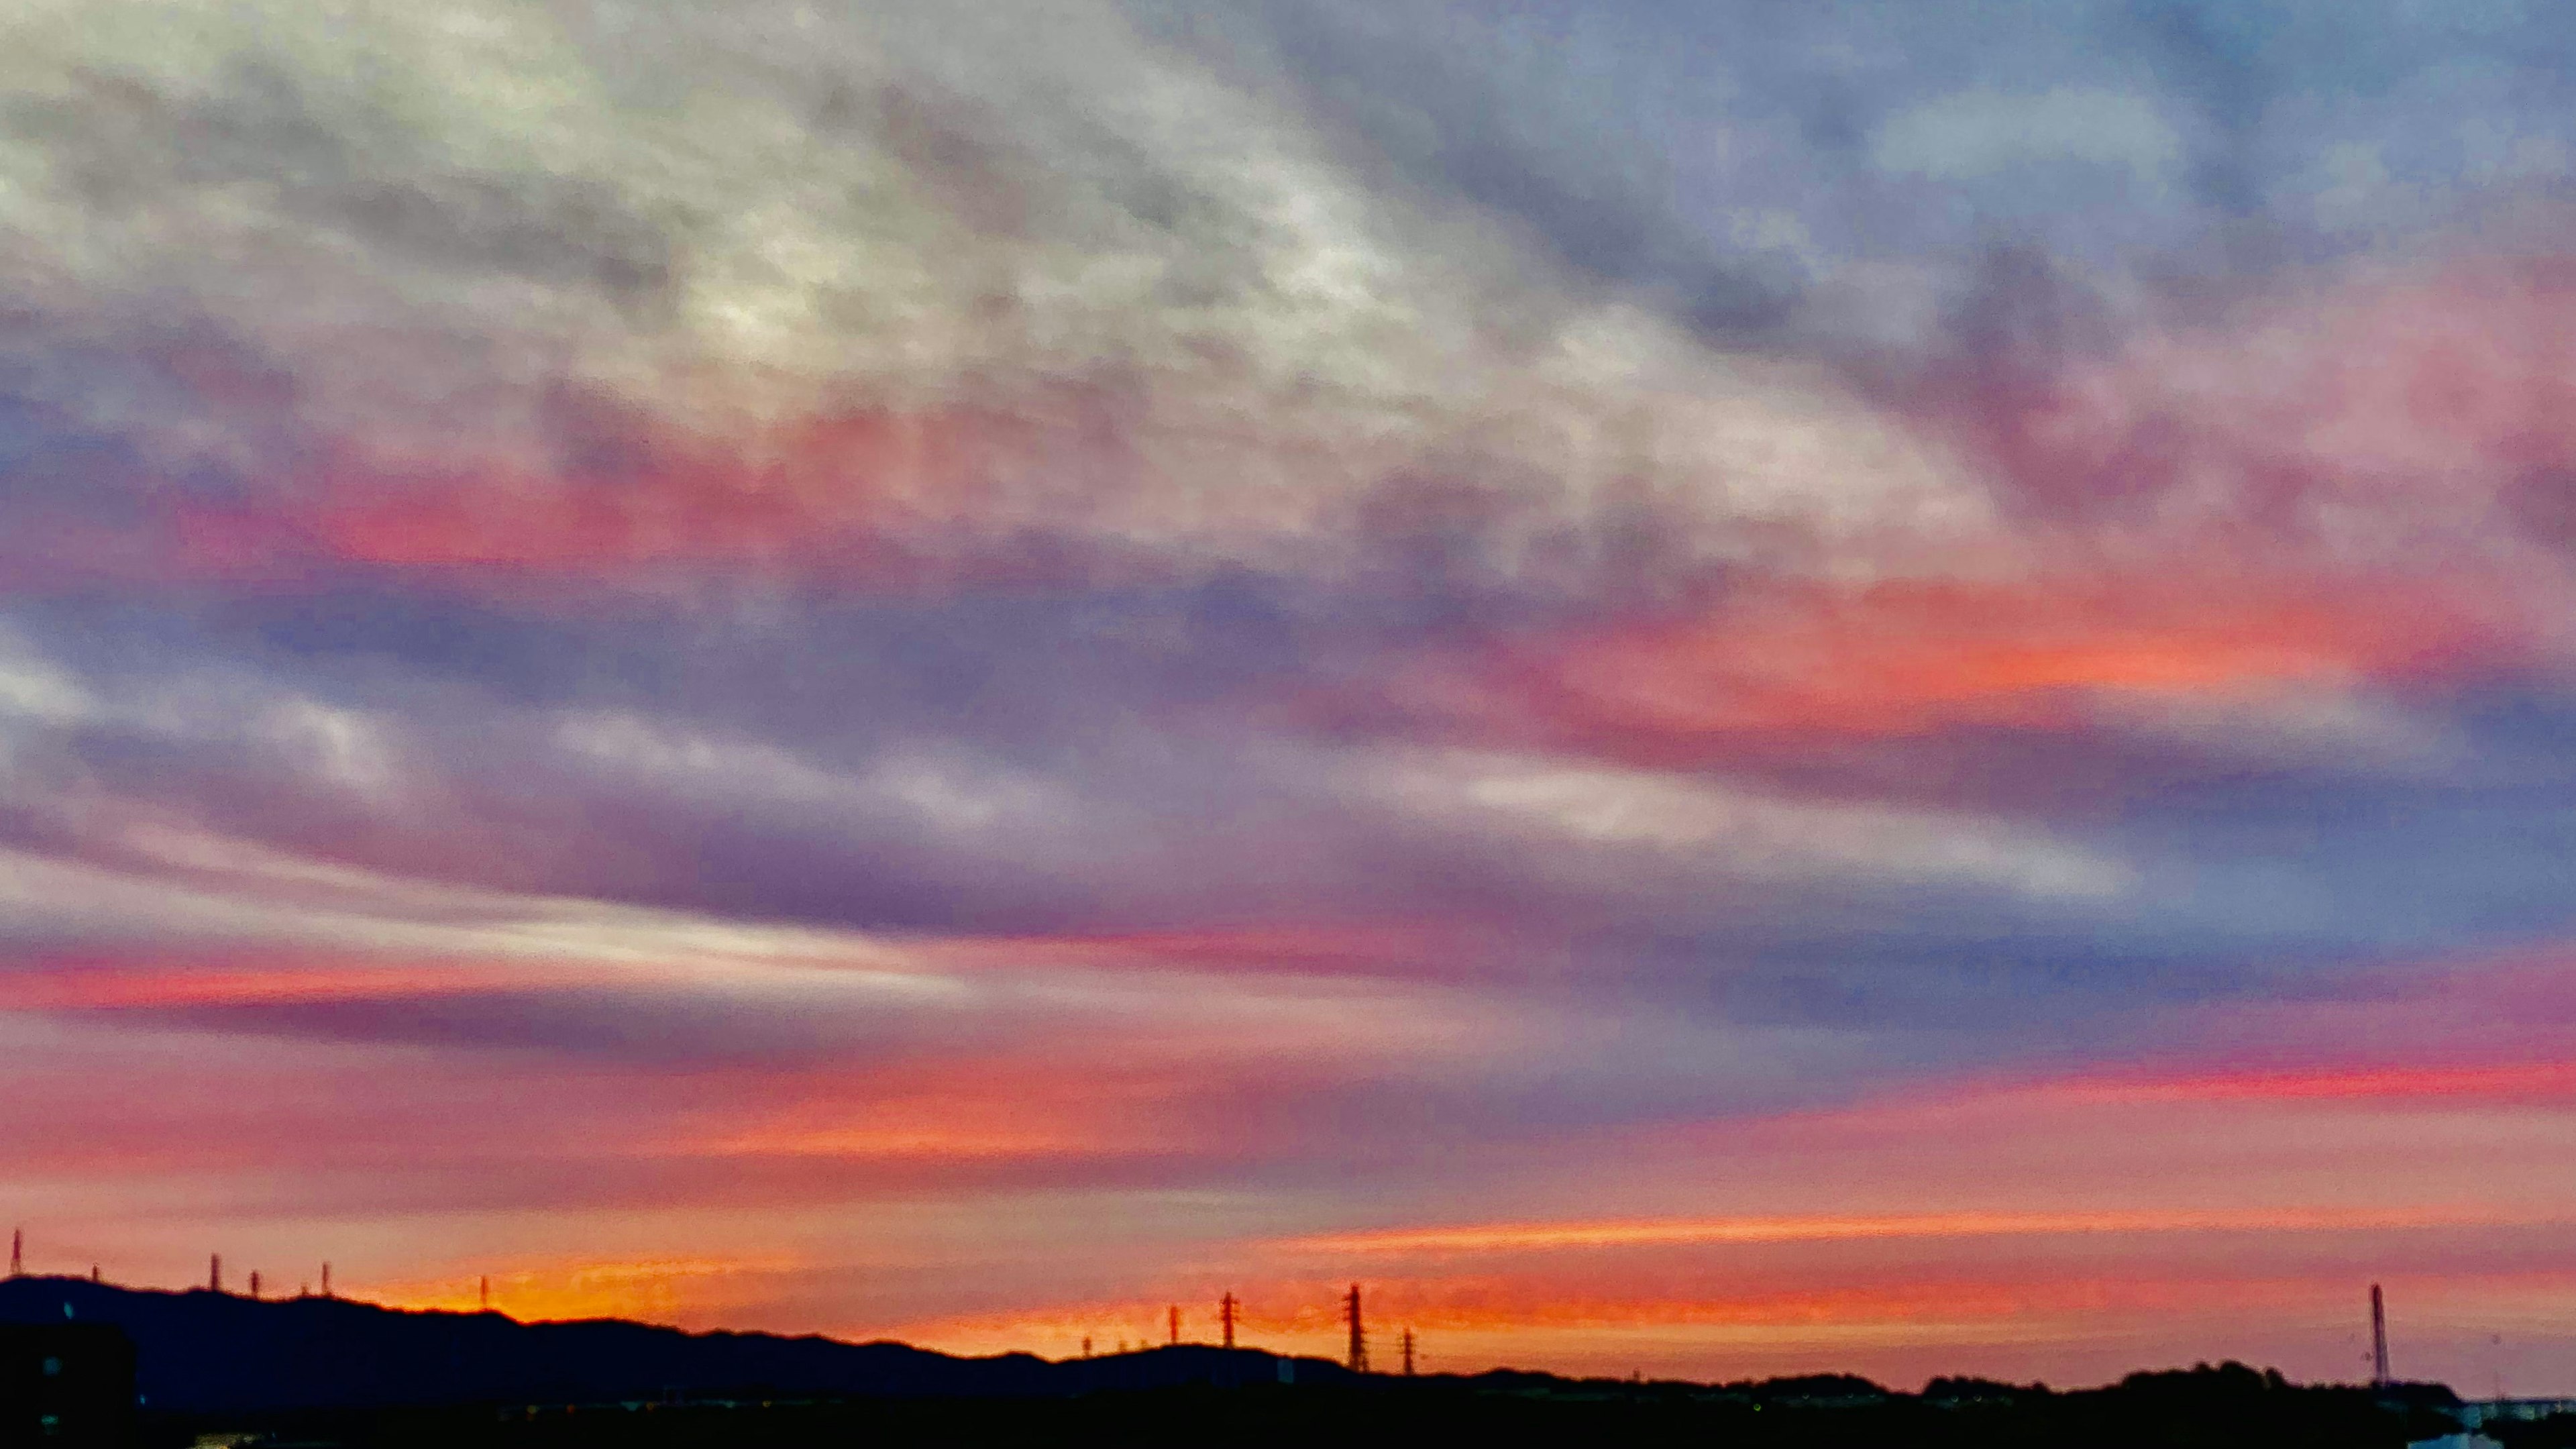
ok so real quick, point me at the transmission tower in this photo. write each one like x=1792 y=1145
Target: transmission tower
x=215 y=1273
x=2378 y=1339
x=1359 y=1335
x=326 y=1280
x=254 y=1282
x=1176 y=1325
x=1408 y=1353
x=1226 y=1309
x=18 y=1253
x=486 y=1290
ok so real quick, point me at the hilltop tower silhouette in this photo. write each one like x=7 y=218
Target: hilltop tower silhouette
x=18 y=1253
x=1408 y=1353
x=2378 y=1340
x=1226 y=1309
x=1359 y=1335
x=215 y=1273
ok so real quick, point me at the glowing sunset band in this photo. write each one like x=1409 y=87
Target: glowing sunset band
x=1669 y=1232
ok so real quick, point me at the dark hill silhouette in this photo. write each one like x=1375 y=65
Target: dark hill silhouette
x=202 y=1352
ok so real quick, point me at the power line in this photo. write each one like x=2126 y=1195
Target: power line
x=1359 y=1335
x=2378 y=1339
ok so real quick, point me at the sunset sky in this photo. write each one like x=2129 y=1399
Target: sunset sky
x=1712 y=687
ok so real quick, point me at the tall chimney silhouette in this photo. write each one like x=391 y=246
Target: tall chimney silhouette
x=1226 y=1308
x=2378 y=1339
x=1359 y=1336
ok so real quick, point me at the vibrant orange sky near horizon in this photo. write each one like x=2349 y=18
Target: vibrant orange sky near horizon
x=1702 y=688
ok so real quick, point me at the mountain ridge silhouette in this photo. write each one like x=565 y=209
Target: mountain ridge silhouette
x=201 y=1351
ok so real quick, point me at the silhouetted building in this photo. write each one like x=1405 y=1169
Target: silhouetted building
x=68 y=1384
x=2508 y=1411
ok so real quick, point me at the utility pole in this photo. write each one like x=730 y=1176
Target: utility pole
x=2378 y=1339
x=215 y=1273
x=1408 y=1353
x=1226 y=1309
x=1359 y=1335
x=18 y=1253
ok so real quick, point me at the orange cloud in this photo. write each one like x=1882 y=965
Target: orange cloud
x=651 y=1290
x=172 y=984
x=887 y=499
x=1677 y=1232
x=2505 y=1081
x=931 y=1129
x=822 y=494
x=1530 y=1320
x=1910 y=659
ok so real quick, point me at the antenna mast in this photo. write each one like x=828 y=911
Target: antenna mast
x=2378 y=1339
x=1226 y=1309
x=1408 y=1353
x=18 y=1253
x=215 y=1273
x=1359 y=1336
x=1176 y=1324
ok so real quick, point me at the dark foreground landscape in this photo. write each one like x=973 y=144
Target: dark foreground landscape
x=2219 y=1408
x=218 y=1368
